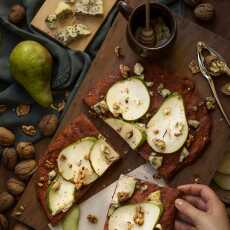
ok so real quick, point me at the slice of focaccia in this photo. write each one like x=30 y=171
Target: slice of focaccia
x=118 y=101
x=89 y=7
x=138 y=204
x=73 y=161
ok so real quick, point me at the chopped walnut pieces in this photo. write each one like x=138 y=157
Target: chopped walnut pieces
x=118 y=51
x=193 y=66
x=49 y=164
x=149 y=83
x=160 y=144
x=51 y=175
x=122 y=196
x=178 y=129
x=29 y=130
x=139 y=216
x=194 y=123
x=58 y=106
x=155 y=161
x=79 y=179
x=163 y=91
x=138 y=69
x=210 y=103
x=22 y=110
x=92 y=219
x=39 y=184
x=189 y=140
x=184 y=154
x=124 y=70
x=101 y=107
x=3 y=108
x=42 y=179
x=158 y=227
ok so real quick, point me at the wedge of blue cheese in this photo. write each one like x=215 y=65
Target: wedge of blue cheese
x=89 y=7
x=70 y=33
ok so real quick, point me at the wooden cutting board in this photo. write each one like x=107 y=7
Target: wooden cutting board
x=93 y=22
x=106 y=62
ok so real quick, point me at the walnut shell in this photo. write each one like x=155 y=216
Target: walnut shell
x=17 y=14
x=7 y=138
x=6 y=201
x=15 y=186
x=20 y=226
x=9 y=158
x=48 y=124
x=25 y=169
x=192 y=3
x=4 y=225
x=204 y=11
x=25 y=150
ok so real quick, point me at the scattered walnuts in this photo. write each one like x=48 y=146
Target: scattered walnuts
x=9 y=158
x=29 y=130
x=25 y=150
x=204 y=11
x=15 y=186
x=6 y=201
x=48 y=124
x=22 y=110
x=17 y=14
x=7 y=138
x=25 y=169
x=4 y=225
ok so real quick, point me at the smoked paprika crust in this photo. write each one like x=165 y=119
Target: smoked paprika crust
x=194 y=106
x=168 y=197
x=81 y=127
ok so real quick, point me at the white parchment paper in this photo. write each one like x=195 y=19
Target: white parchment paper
x=99 y=203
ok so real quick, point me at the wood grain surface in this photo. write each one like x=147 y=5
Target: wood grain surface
x=93 y=22
x=178 y=60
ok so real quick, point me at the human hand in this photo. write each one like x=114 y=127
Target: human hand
x=200 y=209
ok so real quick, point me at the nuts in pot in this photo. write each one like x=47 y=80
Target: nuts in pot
x=29 y=130
x=9 y=158
x=17 y=14
x=48 y=124
x=25 y=150
x=4 y=225
x=25 y=169
x=6 y=201
x=22 y=110
x=192 y=3
x=15 y=186
x=7 y=137
x=204 y=11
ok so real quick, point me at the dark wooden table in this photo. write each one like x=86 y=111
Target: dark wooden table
x=219 y=26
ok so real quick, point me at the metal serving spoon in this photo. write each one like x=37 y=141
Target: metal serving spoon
x=207 y=74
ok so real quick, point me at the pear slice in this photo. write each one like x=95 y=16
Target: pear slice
x=125 y=185
x=222 y=180
x=130 y=132
x=167 y=130
x=71 y=220
x=225 y=165
x=60 y=195
x=102 y=155
x=74 y=157
x=124 y=217
x=128 y=98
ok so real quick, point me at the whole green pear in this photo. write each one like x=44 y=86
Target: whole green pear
x=31 y=66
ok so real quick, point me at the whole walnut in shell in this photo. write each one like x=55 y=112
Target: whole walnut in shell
x=204 y=11
x=4 y=225
x=17 y=14
x=24 y=169
x=7 y=138
x=9 y=158
x=15 y=186
x=20 y=226
x=25 y=150
x=6 y=201
x=192 y=3
x=48 y=124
